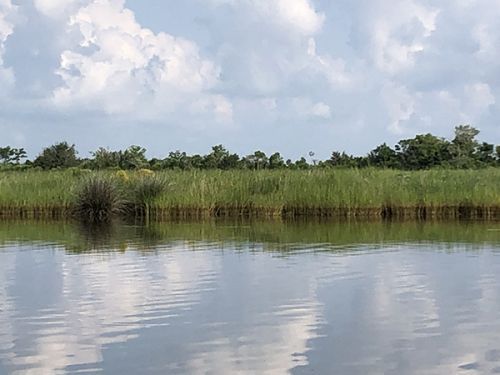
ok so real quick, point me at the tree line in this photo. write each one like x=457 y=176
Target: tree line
x=421 y=152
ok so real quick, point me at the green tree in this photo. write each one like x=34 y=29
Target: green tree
x=133 y=157
x=177 y=160
x=383 y=156
x=197 y=161
x=423 y=152
x=257 y=160
x=220 y=158
x=342 y=160
x=105 y=159
x=302 y=164
x=9 y=155
x=18 y=154
x=6 y=154
x=60 y=155
x=463 y=147
x=276 y=161
x=486 y=154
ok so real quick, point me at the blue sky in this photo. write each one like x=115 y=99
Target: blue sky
x=278 y=75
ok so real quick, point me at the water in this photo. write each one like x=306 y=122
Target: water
x=250 y=298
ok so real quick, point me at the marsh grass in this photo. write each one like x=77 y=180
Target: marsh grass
x=320 y=193
x=98 y=200
x=143 y=191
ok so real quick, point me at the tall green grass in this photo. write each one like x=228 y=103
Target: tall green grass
x=347 y=193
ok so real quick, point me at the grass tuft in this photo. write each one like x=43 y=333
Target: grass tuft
x=98 y=200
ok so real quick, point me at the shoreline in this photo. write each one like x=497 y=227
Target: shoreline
x=419 y=213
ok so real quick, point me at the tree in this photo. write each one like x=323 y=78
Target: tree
x=220 y=158
x=177 y=160
x=104 y=159
x=276 y=161
x=10 y=155
x=18 y=154
x=5 y=154
x=463 y=147
x=257 y=160
x=342 y=160
x=60 y=155
x=486 y=154
x=197 y=161
x=423 y=152
x=133 y=157
x=301 y=164
x=383 y=156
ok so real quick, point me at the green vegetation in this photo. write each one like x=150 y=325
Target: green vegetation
x=60 y=155
x=98 y=200
x=422 y=152
x=367 y=192
x=423 y=177
x=11 y=156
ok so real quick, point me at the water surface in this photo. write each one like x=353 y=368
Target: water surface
x=256 y=298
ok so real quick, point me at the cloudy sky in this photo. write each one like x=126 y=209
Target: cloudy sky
x=278 y=75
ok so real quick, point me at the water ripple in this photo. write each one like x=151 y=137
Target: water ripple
x=224 y=307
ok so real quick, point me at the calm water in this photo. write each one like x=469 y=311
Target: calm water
x=260 y=298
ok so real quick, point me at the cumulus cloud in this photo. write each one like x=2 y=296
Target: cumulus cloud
x=55 y=8
x=400 y=105
x=120 y=67
x=400 y=32
x=273 y=58
x=304 y=107
x=7 y=10
x=298 y=16
x=371 y=70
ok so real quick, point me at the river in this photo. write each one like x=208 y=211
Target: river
x=250 y=298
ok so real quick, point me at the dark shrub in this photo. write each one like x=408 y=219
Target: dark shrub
x=98 y=200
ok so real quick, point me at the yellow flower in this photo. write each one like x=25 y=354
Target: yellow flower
x=146 y=172
x=123 y=175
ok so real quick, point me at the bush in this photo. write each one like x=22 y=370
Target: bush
x=98 y=200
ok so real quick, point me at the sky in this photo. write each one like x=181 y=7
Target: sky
x=277 y=75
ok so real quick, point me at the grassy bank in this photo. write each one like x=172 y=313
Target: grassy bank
x=339 y=193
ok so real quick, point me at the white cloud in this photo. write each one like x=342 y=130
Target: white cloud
x=122 y=68
x=400 y=106
x=398 y=31
x=56 y=8
x=333 y=69
x=478 y=99
x=321 y=110
x=274 y=51
x=305 y=108
x=297 y=16
x=7 y=10
x=384 y=69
